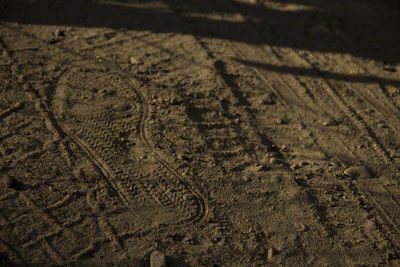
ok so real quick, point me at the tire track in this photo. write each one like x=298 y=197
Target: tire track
x=253 y=142
x=350 y=111
x=381 y=205
x=11 y=110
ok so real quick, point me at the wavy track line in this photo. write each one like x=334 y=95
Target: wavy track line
x=201 y=203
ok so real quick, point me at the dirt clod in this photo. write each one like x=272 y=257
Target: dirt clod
x=8 y=181
x=274 y=160
x=358 y=172
x=135 y=61
x=276 y=179
x=271 y=253
x=158 y=259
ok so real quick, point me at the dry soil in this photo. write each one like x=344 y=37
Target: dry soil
x=221 y=133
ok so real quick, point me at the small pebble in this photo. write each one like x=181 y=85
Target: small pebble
x=175 y=101
x=390 y=68
x=383 y=245
x=8 y=181
x=280 y=121
x=273 y=160
x=271 y=253
x=121 y=107
x=135 y=61
x=309 y=175
x=261 y=251
x=59 y=33
x=303 y=228
x=358 y=172
x=276 y=179
x=294 y=166
x=328 y=123
x=360 y=146
x=170 y=191
x=188 y=197
x=292 y=238
x=382 y=125
x=284 y=148
x=78 y=173
x=158 y=259
x=333 y=164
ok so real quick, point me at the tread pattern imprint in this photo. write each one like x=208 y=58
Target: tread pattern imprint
x=90 y=184
x=197 y=131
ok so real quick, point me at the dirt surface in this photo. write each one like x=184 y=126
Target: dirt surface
x=221 y=133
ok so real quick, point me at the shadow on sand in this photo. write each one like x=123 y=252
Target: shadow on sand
x=364 y=28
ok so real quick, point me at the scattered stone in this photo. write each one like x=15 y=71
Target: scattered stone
x=78 y=173
x=390 y=68
x=329 y=123
x=304 y=163
x=303 y=228
x=333 y=164
x=360 y=146
x=308 y=175
x=262 y=251
x=383 y=245
x=358 y=172
x=255 y=168
x=246 y=178
x=273 y=160
x=382 y=125
x=8 y=181
x=271 y=253
x=188 y=197
x=59 y=33
x=292 y=238
x=121 y=107
x=190 y=241
x=135 y=61
x=180 y=156
x=158 y=259
x=276 y=179
x=294 y=166
x=170 y=191
x=281 y=121
x=175 y=101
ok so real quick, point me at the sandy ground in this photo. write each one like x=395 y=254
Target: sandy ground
x=221 y=133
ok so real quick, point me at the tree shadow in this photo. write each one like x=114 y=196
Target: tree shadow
x=364 y=28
